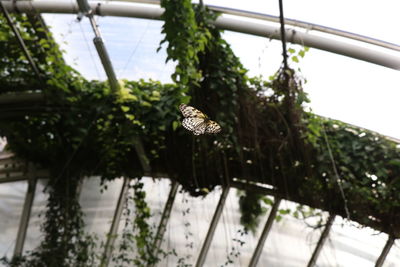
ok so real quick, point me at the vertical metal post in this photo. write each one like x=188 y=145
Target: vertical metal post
x=264 y=234
x=115 y=224
x=211 y=229
x=144 y=160
x=26 y=212
x=165 y=217
x=321 y=241
x=283 y=35
x=385 y=252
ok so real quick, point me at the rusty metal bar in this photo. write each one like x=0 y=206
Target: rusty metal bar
x=165 y=217
x=385 y=252
x=264 y=234
x=112 y=235
x=321 y=241
x=26 y=212
x=211 y=229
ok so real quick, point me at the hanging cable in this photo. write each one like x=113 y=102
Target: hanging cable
x=336 y=173
x=283 y=36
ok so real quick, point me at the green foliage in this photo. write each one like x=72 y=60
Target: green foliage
x=82 y=129
x=185 y=40
x=366 y=163
x=136 y=245
x=64 y=243
x=252 y=207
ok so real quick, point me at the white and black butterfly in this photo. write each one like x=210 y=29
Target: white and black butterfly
x=197 y=122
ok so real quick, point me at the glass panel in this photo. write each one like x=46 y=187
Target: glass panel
x=157 y=191
x=131 y=43
x=188 y=226
x=12 y=197
x=291 y=241
x=348 y=243
x=33 y=235
x=98 y=206
x=393 y=258
x=229 y=245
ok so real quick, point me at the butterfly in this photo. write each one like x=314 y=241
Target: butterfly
x=197 y=122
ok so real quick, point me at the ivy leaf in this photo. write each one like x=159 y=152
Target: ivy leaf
x=175 y=125
x=125 y=108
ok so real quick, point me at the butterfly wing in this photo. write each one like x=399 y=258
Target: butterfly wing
x=196 y=125
x=212 y=127
x=197 y=122
x=191 y=112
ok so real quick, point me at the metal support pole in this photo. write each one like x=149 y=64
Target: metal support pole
x=213 y=226
x=385 y=252
x=321 y=240
x=264 y=234
x=26 y=213
x=283 y=35
x=115 y=224
x=20 y=41
x=85 y=9
x=144 y=160
x=165 y=217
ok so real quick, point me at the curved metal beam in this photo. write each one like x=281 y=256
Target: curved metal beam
x=292 y=22
x=233 y=24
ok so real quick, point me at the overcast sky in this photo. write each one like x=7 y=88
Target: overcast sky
x=347 y=89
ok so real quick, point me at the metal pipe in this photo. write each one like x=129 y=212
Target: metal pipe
x=292 y=22
x=321 y=241
x=264 y=234
x=86 y=9
x=20 y=40
x=165 y=217
x=307 y=26
x=26 y=212
x=233 y=24
x=326 y=44
x=385 y=252
x=112 y=235
x=107 y=65
x=143 y=159
x=283 y=36
x=211 y=229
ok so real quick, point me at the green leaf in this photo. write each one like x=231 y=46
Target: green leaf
x=175 y=125
x=125 y=108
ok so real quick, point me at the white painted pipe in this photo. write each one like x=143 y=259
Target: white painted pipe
x=292 y=22
x=233 y=24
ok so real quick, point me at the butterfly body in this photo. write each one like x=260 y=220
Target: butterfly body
x=197 y=122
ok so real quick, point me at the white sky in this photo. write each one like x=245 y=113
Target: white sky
x=350 y=90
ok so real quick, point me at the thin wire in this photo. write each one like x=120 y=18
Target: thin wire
x=336 y=173
x=283 y=36
x=134 y=50
x=90 y=52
